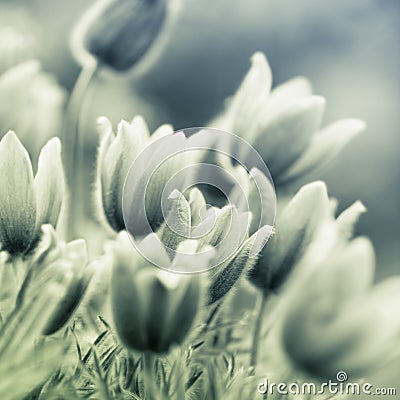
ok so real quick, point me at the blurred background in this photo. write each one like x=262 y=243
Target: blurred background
x=348 y=49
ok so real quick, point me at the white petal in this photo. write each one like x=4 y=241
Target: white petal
x=349 y=217
x=324 y=147
x=293 y=88
x=49 y=184
x=17 y=196
x=298 y=225
x=244 y=108
x=287 y=134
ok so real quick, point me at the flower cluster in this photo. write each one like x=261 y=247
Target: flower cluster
x=190 y=224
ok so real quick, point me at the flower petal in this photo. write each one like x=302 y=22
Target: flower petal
x=324 y=147
x=17 y=196
x=286 y=135
x=349 y=217
x=49 y=184
x=249 y=99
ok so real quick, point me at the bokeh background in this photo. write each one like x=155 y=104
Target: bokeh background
x=348 y=49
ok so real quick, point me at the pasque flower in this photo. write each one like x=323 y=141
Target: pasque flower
x=71 y=271
x=144 y=165
x=117 y=33
x=152 y=309
x=34 y=105
x=236 y=234
x=115 y=157
x=283 y=125
x=297 y=226
x=336 y=320
x=28 y=202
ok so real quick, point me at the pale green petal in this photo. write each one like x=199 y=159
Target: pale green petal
x=349 y=217
x=160 y=132
x=287 y=134
x=138 y=130
x=324 y=147
x=49 y=184
x=17 y=196
x=246 y=105
x=177 y=226
x=291 y=89
x=296 y=227
x=197 y=204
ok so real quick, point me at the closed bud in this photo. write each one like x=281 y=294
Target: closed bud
x=118 y=33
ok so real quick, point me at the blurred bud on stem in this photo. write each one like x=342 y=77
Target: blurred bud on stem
x=118 y=33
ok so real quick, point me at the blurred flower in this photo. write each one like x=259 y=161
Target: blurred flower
x=34 y=105
x=18 y=34
x=117 y=33
x=72 y=273
x=297 y=226
x=26 y=203
x=340 y=322
x=65 y=264
x=284 y=125
x=26 y=362
x=115 y=157
x=15 y=47
x=152 y=309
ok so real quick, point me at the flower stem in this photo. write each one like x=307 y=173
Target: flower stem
x=257 y=329
x=148 y=360
x=72 y=141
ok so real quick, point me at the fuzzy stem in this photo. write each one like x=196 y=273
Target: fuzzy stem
x=148 y=360
x=72 y=140
x=257 y=329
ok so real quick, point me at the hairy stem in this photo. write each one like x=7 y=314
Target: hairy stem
x=257 y=329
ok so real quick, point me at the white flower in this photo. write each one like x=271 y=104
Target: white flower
x=32 y=104
x=283 y=125
x=298 y=226
x=336 y=320
x=15 y=46
x=152 y=309
x=28 y=202
x=116 y=154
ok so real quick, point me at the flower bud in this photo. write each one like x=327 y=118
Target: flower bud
x=152 y=309
x=117 y=33
x=28 y=202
